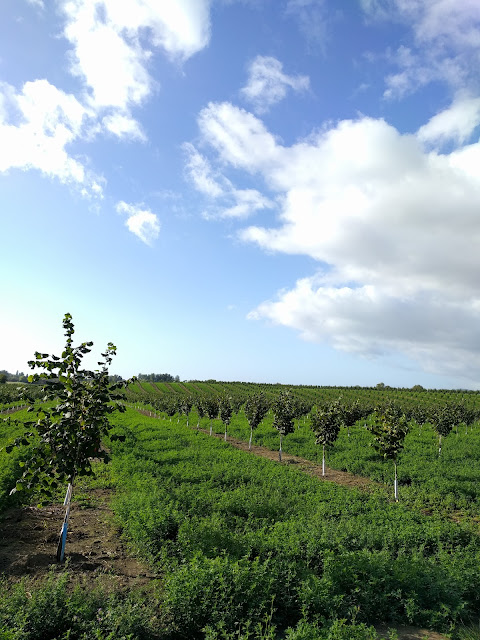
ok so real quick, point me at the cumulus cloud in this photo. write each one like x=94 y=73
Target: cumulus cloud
x=267 y=84
x=142 y=222
x=112 y=43
x=37 y=125
x=392 y=224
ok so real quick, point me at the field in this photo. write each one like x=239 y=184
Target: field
x=239 y=546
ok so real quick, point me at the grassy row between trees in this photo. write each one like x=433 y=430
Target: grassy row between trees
x=240 y=539
x=249 y=549
x=448 y=484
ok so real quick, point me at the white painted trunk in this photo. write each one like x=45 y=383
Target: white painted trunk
x=280 y=450
x=395 y=484
x=250 y=441
x=323 y=461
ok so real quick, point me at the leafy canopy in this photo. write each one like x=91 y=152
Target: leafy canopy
x=73 y=417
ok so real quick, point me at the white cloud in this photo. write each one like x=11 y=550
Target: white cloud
x=229 y=201
x=446 y=42
x=200 y=172
x=37 y=3
x=394 y=228
x=456 y=123
x=142 y=222
x=36 y=127
x=267 y=84
x=111 y=41
x=123 y=126
x=246 y=202
x=312 y=18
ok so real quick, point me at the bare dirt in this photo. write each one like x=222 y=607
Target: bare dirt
x=29 y=538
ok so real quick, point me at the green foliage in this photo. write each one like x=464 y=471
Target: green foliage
x=67 y=433
x=221 y=523
x=339 y=630
x=225 y=409
x=256 y=408
x=284 y=412
x=210 y=406
x=326 y=423
x=53 y=611
x=389 y=427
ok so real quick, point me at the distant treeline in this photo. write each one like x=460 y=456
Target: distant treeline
x=6 y=376
x=158 y=377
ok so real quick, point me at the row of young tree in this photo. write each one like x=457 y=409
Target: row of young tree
x=388 y=422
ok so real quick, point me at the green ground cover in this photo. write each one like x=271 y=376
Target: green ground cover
x=238 y=537
x=251 y=550
x=447 y=483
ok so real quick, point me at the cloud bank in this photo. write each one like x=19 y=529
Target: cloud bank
x=393 y=224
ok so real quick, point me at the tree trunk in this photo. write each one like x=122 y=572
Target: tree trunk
x=250 y=441
x=225 y=438
x=280 y=450
x=323 y=461
x=439 y=445
x=395 y=482
x=63 y=532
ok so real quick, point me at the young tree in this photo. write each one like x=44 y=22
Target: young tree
x=210 y=408
x=225 y=412
x=256 y=408
x=442 y=419
x=284 y=412
x=186 y=405
x=326 y=423
x=198 y=404
x=389 y=427
x=64 y=438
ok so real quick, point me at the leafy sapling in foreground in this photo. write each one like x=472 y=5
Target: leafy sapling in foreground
x=256 y=408
x=389 y=427
x=326 y=423
x=66 y=436
x=284 y=411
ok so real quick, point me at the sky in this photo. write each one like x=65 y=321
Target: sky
x=257 y=190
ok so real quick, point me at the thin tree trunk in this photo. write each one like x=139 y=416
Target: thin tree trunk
x=280 y=450
x=395 y=481
x=211 y=427
x=225 y=438
x=439 y=445
x=63 y=532
x=323 y=461
x=250 y=441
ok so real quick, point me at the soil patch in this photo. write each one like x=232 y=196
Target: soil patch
x=94 y=549
x=411 y=633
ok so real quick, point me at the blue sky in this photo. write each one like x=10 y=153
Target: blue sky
x=260 y=190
